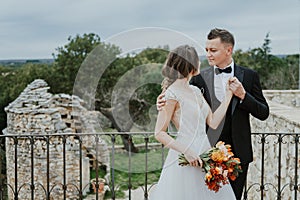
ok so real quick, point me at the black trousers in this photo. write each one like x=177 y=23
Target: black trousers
x=239 y=183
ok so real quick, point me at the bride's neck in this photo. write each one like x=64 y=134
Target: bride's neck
x=183 y=81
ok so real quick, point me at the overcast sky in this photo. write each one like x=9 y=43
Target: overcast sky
x=35 y=28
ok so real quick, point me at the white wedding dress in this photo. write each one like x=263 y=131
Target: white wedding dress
x=187 y=183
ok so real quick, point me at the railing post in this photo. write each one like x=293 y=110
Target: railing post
x=262 y=187
x=64 y=167
x=279 y=167
x=80 y=168
x=3 y=176
x=97 y=167
x=2 y=158
x=16 y=166
x=296 y=165
x=129 y=166
x=146 y=168
x=48 y=167
x=113 y=140
x=32 y=166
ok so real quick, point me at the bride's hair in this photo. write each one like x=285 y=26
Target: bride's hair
x=179 y=64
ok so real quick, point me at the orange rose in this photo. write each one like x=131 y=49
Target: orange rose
x=217 y=156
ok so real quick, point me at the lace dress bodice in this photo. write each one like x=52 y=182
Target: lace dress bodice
x=190 y=115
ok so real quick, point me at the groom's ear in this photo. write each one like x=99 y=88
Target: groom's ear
x=229 y=49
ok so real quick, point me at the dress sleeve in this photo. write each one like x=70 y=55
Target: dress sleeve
x=170 y=95
x=204 y=106
x=197 y=91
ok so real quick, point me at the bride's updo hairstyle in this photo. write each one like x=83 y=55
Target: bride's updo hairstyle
x=179 y=64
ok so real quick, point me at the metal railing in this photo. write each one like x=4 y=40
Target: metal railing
x=271 y=182
x=13 y=186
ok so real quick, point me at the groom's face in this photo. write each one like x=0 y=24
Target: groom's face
x=218 y=53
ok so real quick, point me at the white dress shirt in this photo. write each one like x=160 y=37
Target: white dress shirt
x=220 y=81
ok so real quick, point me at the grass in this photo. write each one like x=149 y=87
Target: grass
x=136 y=172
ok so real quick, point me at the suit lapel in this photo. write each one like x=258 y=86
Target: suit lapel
x=239 y=73
x=208 y=77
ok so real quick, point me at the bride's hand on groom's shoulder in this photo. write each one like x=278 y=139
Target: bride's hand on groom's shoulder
x=160 y=101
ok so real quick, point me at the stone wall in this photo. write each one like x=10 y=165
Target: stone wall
x=284 y=118
x=285 y=97
x=37 y=112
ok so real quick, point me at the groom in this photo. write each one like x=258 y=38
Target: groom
x=248 y=99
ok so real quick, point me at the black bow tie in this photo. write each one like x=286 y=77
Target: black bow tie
x=226 y=70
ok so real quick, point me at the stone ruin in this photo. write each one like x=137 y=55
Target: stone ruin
x=37 y=112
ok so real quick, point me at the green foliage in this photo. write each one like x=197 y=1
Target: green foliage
x=14 y=80
x=149 y=81
x=156 y=55
x=287 y=76
x=147 y=58
x=142 y=70
x=275 y=72
x=71 y=56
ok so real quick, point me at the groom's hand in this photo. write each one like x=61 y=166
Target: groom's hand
x=237 y=88
x=160 y=101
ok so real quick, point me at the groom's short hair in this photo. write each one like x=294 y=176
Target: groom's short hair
x=224 y=35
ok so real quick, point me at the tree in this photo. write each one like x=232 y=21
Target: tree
x=79 y=63
x=273 y=70
x=13 y=82
x=69 y=58
x=289 y=73
x=128 y=88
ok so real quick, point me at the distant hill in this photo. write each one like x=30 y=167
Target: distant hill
x=16 y=62
x=281 y=56
x=24 y=61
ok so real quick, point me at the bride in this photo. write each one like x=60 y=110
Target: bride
x=187 y=109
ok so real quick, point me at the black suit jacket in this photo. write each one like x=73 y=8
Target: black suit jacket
x=254 y=103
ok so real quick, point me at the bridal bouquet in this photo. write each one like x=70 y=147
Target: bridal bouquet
x=219 y=164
